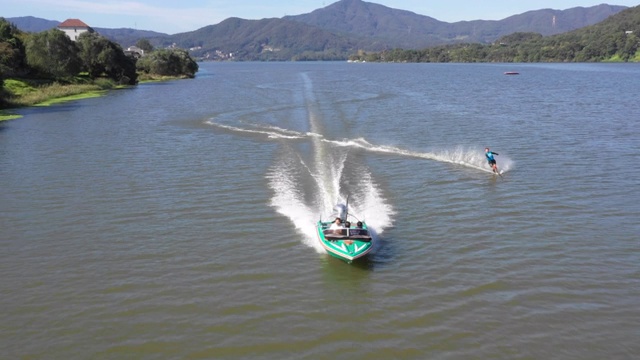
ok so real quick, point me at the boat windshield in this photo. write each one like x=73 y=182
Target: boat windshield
x=358 y=232
x=336 y=232
x=340 y=234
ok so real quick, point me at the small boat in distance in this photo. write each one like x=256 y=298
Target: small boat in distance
x=348 y=240
x=511 y=73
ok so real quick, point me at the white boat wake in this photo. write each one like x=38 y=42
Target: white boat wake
x=327 y=177
x=459 y=155
x=308 y=181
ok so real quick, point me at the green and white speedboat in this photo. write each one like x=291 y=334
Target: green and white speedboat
x=349 y=240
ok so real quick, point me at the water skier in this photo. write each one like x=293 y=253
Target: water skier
x=492 y=161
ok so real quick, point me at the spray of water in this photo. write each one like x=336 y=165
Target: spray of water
x=471 y=158
x=331 y=177
x=288 y=200
x=328 y=169
x=463 y=156
x=287 y=180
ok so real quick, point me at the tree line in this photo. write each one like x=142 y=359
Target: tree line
x=615 y=39
x=623 y=48
x=52 y=55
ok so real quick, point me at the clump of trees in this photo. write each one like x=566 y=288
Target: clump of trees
x=12 y=53
x=168 y=62
x=101 y=57
x=51 y=55
x=522 y=47
x=615 y=39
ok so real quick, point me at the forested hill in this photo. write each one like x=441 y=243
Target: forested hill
x=344 y=28
x=615 y=39
x=399 y=28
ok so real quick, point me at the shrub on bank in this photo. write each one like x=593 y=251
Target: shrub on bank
x=23 y=93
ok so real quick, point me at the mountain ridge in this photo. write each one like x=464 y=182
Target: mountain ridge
x=343 y=28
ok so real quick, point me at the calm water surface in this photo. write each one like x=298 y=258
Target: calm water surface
x=175 y=220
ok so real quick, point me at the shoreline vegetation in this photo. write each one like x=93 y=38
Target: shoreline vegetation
x=25 y=93
x=92 y=65
x=48 y=67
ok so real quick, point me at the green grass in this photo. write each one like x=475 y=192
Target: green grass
x=34 y=93
x=7 y=116
x=84 y=95
x=618 y=58
x=145 y=78
x=18 y=87
x=26 y=92
x=37 y=92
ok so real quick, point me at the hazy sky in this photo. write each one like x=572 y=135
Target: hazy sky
x=171 y=16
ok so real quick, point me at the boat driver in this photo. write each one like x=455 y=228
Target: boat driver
x=337 y=224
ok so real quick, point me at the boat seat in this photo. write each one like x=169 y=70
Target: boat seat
x=360 y=238
x=335 y=236
x=345 y=237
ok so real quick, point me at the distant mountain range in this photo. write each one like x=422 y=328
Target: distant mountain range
x=341 y=29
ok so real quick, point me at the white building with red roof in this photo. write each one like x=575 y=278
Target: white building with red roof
x=74 y=27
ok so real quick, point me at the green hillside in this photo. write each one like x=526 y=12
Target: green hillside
x=615 y=39
x=348 y=27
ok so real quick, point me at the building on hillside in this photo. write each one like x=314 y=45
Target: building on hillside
x=74 y=27
x=134 y=51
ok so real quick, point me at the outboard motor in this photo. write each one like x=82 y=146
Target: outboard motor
x=341 y=211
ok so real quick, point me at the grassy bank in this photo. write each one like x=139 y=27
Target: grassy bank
x=8 y=116
x=143 y=77
x=21 y=93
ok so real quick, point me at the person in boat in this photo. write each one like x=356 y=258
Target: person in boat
x=337 y=224
x=359 y=230
x=492 y=161
x=347 y=224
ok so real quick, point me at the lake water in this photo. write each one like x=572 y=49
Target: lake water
x=176 y=220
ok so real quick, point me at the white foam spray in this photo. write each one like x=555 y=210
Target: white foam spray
x=288 y=200
x=271 y=132
x=463 y=156
x=333 y=181
x=328 y=172
x=472 y=158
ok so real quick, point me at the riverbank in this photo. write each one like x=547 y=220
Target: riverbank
x=25 y=93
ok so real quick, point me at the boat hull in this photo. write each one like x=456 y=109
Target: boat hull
x=350 y=245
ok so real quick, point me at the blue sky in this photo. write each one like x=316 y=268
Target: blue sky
x=171 y=16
